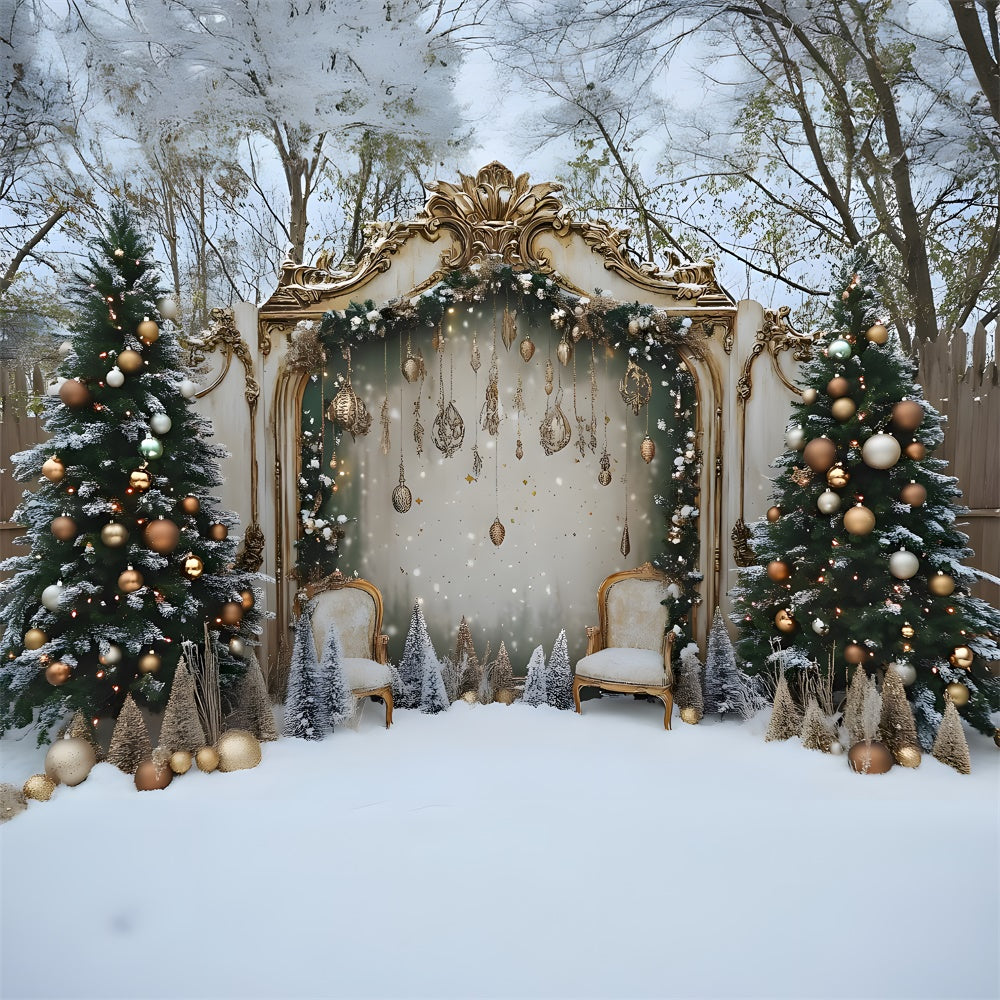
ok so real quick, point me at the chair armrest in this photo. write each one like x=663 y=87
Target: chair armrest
x=382 y=649
x=595 y=641
x=668 y=652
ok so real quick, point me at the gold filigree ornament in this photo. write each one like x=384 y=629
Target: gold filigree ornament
x=448 y=429
x=497 y=532
x=508 y=329
x=555 y=430
x=402 y=498
x=636 y=388
x=348 y=408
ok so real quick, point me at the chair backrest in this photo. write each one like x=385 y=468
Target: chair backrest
x=354 y=605
x=631 y=610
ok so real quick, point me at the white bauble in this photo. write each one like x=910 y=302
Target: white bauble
x=65 y=347
x=836 y=748
x=828 y=502
x=809 y=396
x=907 y=672
x=188 y=388
x=52 y=595
x=903 y=564
x=115 y=378
x=160 y=423
x=167 y=308
x=795 y=438
x=881 y=451
x=819 y=626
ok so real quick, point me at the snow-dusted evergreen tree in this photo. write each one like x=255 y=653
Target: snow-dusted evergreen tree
x=725 y=683
x=305 y=713
x=466 y=659
x=252 y=705
x=411 y=666
x=130 y=744
x=433 y=696
x=501 y=673
x=181 y=727
x=338 y=702
x=559 y=675
x=950 y=746
x=689 y=692
x=534 y=682
x=451 y=674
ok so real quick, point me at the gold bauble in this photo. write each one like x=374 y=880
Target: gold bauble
x=844 y=408
x=151 y=775
x=784 y=621
x=908 y=755
x=773 y=513
x=877 y=334
x=958 y=694
x=181 y=761
x=809 y=396
x=691 y=716
x=564 y=352
x=411 y=368
x=130 y=580
x=231 y=614
x=35 y=638
x=247 y=599
x=907 y=415
x=190 y=505
x=859 y=520
x=74 y=394
x=961 y=657
x=53 y=469
x=140 y=480
x=147 y=331
x=838 y=477
x=778 y=570
x=915 y=451
x=206 y=759
x=218 y=532
x=58 y=673
x=820 y=454
x=913 y=493
x=129 y=361
x=69 y=761
x=941 y=584
x=869 y=758
x=647 y=449
x=193 y=566
x=527 y=349
x=149 y=663
x=838 y=387
x=162 y=535
x=63 y=527
x=114 y=535
x=854 y=652
x=497 y=532
x=604 y=477
x=907 y=631
x=238 y=750
x=39 y=787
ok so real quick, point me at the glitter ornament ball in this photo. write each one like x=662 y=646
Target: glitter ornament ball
x=908 y=755
x=881 y=451
x=160 y=423
x=39 y=787
x=238 y=750
x=206 y=759
x=181 y=761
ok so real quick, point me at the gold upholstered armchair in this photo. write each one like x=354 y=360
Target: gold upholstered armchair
x=630 y=650
x=355 y=607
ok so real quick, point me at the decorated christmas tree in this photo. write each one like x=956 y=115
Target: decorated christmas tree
x=130 y=552
x=859 y=555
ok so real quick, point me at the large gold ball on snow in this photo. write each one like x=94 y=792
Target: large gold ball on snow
x=907 y=415
x=231 y=614
x=877 y=334
x=53 y=469
x=838 y=387
x=181 y=761
x=151 y=776
x=74 y=394
x=691 y=716
x=820 y=454
x=859 y=520
x=957 y=694
x=913 y=493
x=237 y=750
x=784 y=621
x=63 y=527
x=147 y=331
x=129 y=361
x=39 y=787
x=162 y=535
x=838 y=477
x=843 y=408
x=58 y=673
x=149 y=663
x=69 y=761
x=773 y=513
x=114 y=535
x=35 y=638
x=778 y=570
x=908 y=755
x=854 y=652
x=941 y=584
x=206 y=759
x=870 y=758
x=962 y=657
x=130 y=580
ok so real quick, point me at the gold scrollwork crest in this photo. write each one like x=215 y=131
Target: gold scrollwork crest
x=776 y=334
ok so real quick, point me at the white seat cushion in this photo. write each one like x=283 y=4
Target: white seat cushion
x=629 y=666
x=363 y=675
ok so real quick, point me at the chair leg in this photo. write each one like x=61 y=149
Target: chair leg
x=576 y=695
x=387 y=698
x=668 y=708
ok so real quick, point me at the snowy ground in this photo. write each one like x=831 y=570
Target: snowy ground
x=510 y=852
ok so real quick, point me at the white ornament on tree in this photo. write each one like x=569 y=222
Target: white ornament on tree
x=115 y=378
x=52 y=595
x=188 y=388
x=795 y=437
x=828 y=502
x=881 y=451
x=907 y=672
x=160 y=423
x=167 y=308
x=903 y=564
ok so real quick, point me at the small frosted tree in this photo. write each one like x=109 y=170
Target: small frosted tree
x=80 y=726
x=181 y=728
x=465 y=656
x=501 y=672
x=337 y=701
x=130 y=744
x=689 y=693
x=815 y=732
x=854 y=707
x=950 y=745
x=559 y=675
x=534 y=682
x=411 y=666
x=896 y=727
x=433 y=696
x=786 y=720
x=252 y=706
x=725 y=684
x=304 y=711
x=451 y=674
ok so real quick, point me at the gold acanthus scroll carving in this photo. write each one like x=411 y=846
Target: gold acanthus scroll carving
x=775 y=335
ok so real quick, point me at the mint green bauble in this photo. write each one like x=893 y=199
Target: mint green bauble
x=151 y=448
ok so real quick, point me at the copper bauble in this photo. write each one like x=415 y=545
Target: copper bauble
x=238 y=750
x=877 y=334
x=206 y=759
x=859 y=520
x=58 y=673
x=74 y=394
x=497 y=532
x=231 y=614
x=647 y=449
x=218 y=532
x=838 y=387
x=820 y=454
x=39 y=787
x=773 y=513
x=854 y=652
x=915 y=451
x=181 y=761
x=913 y=493
x=961 y=657
x=844 y=408
x=147 y=331
x=162 y=535
x=957 y=693
x=130 y=580
x=869 y=758
x=906 y=415
x=907 y=755
x=70 y=760
x=114 y=535
x=129 y=361
x=778 y=570
x=784 y=621
x=151 y=775
x=941 y=584
x=35 y=638
x=193 y=567
x=63 y=527
x=190 y=505
x=691 y=716
x=838 y=477
x=140 y=480
x=527 y=349
x=247 y=599
x=53 y=469
x=149 y=663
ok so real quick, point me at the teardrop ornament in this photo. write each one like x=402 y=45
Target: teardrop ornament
x=564 y=352
x=626 y=546
x=509 y=327
x=527 y=349
x=647 y=449
x=497 y=532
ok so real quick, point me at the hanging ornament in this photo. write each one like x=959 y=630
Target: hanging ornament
x=593 y=402
x=519 y=450
x=647 y=449
x=110 y=655
x=115 y=378
x=820 y=454
x=903 y=565
x=961 y=657
x=520 y=410
x=238 y=647
x=475 y=359
x=413 y=365
x=149 y=663
x=527 y=349
x=564 y=352
x=147 y=331
x=778 y=570
x=906 y=671
x=555 y=430
x=907 y=415
x=941 y=584
x=795 y=438
x=801 y=477
x=348 y=408
x=915 y=451
x=114 y=535
x=828 y=502
x=58 y=673
x=913 y=494
x=448 y=429
x=843 y=409
x=384 y=444
x=193 y=567
x=162 y=535
x=957 y=694
x=490 y=416
x=785 y=622
x=130 y=580
x=877 y=334
x=418 y=427
x=508 y=326
x=839 y=349
x=838 y=477
x=53 y=469
x=838 y=387
x=477 y=462
x=218 y=532
x=854 y=653
x=881 y=451
x=859 y=520
x=247 y=598
x=151 y=448
x=190 y=505
x=549 y=376
x=820 y=627
x=626 y=545
x=809 y=396
x=140 y=479
x=231 y=614
x=773 y=513
x=907 y=631
x=160 y=423
x=129 y=361
x=497 y=532
x=63 y=528
x=52 y=595
x=35 y=638
x=635 y=387
x=74 y=394
x=604 y=476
